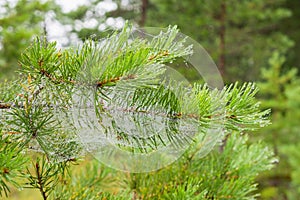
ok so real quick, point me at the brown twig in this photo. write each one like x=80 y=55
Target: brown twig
x=40 y=181
x=98 y=84
x=12 y=133
x=5 y=105
x=114 y=80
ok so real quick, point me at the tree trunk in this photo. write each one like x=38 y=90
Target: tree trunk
x=222 y=38
x=144 y=7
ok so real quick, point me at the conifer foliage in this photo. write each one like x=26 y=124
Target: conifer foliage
x=47 y=124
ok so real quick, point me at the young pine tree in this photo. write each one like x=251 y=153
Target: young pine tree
x=113 y=91
x=280 y=91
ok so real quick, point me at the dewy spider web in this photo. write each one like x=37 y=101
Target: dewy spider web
x=138 y=122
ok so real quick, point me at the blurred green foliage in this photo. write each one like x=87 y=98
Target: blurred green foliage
x=250 y=28
x=291 y=27
x=19 y=23
x=280 y=90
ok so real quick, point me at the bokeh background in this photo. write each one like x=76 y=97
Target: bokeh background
x=249 y=40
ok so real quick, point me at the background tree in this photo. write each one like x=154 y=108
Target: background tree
x=291 y=28
x=239 y=36
x=280 y=91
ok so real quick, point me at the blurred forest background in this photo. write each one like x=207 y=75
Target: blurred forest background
x=249 y=40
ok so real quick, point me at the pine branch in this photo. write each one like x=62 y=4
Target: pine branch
x=119 y=80
x=46 y=175
x=12 y=162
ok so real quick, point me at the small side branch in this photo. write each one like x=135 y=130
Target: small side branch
x=97 y=84
x=114 y=80
x=40 y=181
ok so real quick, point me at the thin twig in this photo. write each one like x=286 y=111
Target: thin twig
x=40 y=181
x=5 y=105
x=98 y=84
